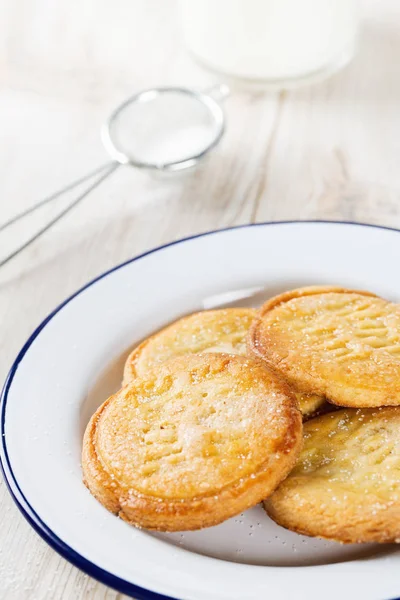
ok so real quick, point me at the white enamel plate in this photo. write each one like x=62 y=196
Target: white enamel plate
x=73 y=361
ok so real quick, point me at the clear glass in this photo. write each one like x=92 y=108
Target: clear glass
x=277 y=42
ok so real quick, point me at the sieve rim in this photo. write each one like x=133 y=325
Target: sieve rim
x=214 y=108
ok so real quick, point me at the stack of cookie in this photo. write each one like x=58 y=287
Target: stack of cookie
x=209 y=420
x=345 y=346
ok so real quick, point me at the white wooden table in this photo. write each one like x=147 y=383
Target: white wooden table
x=331 y=151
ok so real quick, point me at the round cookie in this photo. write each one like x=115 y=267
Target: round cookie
x=345 y=485
x=223 y=330
x=337 y=343
x=192 y=443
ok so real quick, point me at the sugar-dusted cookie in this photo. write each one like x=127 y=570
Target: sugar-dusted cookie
x=193 y=442
x=337 y=343
x=345 y=485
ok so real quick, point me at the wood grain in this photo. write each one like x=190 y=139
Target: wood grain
x=330 y=151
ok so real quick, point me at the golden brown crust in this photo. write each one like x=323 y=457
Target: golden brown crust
x=345 y=485
x=194 y=442
x=96 y=479
x=337 y=343
x=223 y=330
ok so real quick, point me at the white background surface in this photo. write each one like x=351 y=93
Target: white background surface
x=330 y=151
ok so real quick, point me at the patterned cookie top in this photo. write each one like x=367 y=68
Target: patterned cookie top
x=205 y=430
x=341 y=344
x=346 y=483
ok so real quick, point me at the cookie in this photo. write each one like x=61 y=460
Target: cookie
x=333 y=342
x=193 y=442
x=345 y=485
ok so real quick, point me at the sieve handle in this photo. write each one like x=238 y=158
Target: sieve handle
x=104 y=171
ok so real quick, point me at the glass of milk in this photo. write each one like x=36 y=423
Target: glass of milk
x=280 y=43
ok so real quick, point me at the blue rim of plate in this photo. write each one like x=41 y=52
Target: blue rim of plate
x=113 y=581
